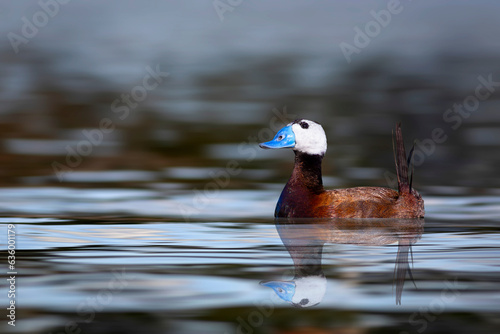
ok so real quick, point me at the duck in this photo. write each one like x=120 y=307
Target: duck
x=305 y=197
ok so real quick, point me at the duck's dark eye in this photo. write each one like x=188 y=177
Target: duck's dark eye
x=281 y=137
x=304 y=125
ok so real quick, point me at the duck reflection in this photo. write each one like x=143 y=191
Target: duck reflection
x=304 y=239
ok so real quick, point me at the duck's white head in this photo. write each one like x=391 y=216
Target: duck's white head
x=302 y=135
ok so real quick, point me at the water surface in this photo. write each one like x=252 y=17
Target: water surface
x=96 y=271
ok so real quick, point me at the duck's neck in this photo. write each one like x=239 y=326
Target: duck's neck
x=307 y=172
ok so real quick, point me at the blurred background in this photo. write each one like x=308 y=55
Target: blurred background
x=128 y=143
x=232 y=68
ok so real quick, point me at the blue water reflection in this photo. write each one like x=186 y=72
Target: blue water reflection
x=305 y=238
x=188 y=273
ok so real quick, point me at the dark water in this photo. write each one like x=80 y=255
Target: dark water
x=138 y=207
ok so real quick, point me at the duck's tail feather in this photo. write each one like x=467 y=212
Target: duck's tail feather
x=402 y=162
x=402 y=267
x=410 y=164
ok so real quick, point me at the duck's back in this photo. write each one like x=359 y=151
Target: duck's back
x=359 y=202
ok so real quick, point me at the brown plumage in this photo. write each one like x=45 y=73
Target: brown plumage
x=305 y=197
